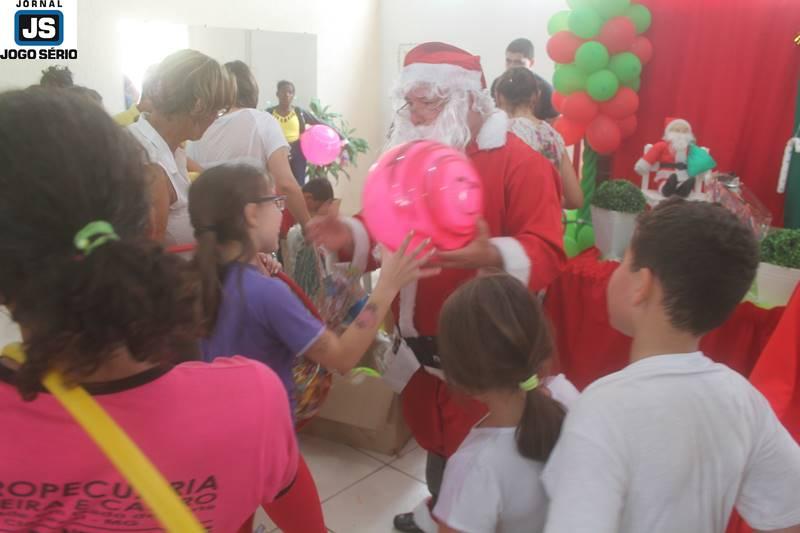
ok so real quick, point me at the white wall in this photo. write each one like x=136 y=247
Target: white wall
x=347 y=45
x=483 y=27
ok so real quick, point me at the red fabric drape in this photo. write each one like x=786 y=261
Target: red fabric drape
x=730 y=67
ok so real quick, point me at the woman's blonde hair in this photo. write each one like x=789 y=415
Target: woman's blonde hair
x=189 y=81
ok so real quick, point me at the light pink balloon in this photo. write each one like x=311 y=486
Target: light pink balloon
x=425 y=187
x=321 y=145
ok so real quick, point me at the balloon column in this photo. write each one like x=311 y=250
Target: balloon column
x=599 y=53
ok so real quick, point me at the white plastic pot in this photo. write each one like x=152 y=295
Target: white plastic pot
x=612 y=232
x=775 y=284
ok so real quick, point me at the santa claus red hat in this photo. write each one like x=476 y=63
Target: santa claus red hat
x=443 y=65
x=672 y=121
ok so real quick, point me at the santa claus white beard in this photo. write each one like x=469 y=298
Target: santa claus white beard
x=679 y=142
x=450 y=127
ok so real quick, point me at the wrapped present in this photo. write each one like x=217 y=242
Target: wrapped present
x=728 y=190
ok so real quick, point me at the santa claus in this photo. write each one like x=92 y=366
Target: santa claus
x=669 y=157
x=441 y=95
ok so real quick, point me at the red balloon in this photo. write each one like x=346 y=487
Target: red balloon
x=603 y=135
x=580 y=107
x=642 y=48
x=557 y=99
x=627 y=126
x=562 y=47
x=617 y=35
x=624 y=103
x=570 y=130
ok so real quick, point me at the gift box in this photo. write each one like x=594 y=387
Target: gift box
x=728 y=190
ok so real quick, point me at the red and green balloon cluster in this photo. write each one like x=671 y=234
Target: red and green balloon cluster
x=599 y=53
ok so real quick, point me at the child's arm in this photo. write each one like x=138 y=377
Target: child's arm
x=398 y=270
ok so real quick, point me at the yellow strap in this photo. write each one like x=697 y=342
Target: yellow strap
x=168 y=508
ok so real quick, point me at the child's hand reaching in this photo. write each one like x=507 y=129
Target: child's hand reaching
x=269 y=265
x=399 y=268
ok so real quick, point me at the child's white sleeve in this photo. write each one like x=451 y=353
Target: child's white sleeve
x=769 y=498
x=469 y=500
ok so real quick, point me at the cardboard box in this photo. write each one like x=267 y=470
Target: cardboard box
x=362 y=412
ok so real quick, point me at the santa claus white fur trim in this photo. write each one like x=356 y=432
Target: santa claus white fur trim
x=439 y=75
x=408 y=302
x=361 y=243
x=515 y=261
x=424 y=519
x=494 y=131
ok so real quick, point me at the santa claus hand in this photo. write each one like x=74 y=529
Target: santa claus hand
x=329 y=231
x=480 y=253
x=400 y=268
x=642 y=167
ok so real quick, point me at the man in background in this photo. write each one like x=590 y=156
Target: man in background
x=519 y=53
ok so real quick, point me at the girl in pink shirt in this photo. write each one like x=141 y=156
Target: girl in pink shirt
x=111 y=311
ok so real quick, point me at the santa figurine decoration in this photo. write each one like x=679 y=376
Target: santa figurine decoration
x=676 y=159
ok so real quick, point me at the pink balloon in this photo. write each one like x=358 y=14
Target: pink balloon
x=643 y=49
x=603 y=135
x=562 y=46
x=627 y=126
x=321 y=145
x=579 y=107
x=569 y=130
x=617 y=35
x=425 y=187
x=624 y=103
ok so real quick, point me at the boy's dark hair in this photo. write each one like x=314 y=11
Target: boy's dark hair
x=493 y=335
x=246 y=85
x=518 y=86
x=704 y=257
x=521 y=46
x=56 y=77
x=86 y=92
x=285 y=83
x=320 y=189
x=217 y=199
x=79 y=310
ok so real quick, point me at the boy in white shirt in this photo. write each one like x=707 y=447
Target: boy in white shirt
x=674 y=441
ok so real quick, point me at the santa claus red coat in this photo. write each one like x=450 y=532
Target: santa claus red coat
x=522 y=208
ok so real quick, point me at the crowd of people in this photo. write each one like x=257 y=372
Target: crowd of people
x=156 y=293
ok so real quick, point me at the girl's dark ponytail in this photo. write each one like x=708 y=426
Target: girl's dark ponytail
x=540 y=426
x=208 y=263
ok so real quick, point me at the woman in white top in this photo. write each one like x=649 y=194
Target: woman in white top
x=191 y=91
x=495 y=343
x=247 y=135
x=516 y=90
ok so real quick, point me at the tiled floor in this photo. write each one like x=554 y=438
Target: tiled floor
x=361 y=491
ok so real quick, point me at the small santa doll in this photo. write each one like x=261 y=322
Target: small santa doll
x=670 y=156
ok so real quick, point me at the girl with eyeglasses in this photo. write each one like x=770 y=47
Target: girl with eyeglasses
x=236 y=215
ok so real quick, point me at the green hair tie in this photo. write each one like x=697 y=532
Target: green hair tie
x=366 y=371
x=93 y=235
x=530 y=384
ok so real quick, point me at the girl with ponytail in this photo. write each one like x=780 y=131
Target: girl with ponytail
x=495 y=345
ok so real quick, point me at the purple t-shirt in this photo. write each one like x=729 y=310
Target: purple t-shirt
x=261 y=318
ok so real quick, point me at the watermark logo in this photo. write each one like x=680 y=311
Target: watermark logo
x=38 y=29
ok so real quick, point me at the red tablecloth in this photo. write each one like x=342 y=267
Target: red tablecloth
x=588 y=348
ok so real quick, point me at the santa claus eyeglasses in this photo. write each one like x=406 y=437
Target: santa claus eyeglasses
x=425 y=107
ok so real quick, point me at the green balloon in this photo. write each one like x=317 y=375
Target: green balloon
x=571 y=231
x=585 y=238
x=602 y=85
x=571 y=215
x=585 y=23
x=633 y=84
x=570 y=247
x=640 y=16
x=569 y=79
x=558 y=22
x=610 y=8
x=626 y=66
x=591 y=57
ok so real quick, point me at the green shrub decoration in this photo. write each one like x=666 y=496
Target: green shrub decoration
x=782 y=247
x=619 y=195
